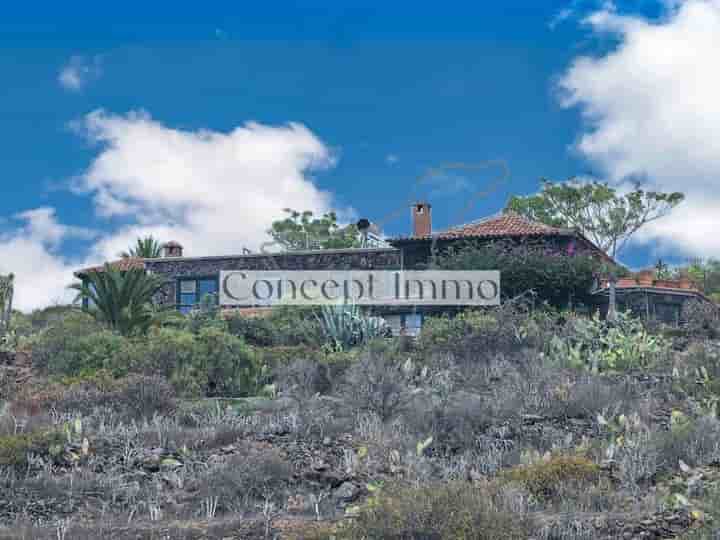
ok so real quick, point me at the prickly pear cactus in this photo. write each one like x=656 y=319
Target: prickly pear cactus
x=6 y=298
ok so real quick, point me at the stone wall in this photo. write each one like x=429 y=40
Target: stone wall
x=329 y=259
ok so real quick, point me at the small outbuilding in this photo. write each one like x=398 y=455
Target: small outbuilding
x=648 y=297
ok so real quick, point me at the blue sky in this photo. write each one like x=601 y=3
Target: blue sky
x=134 y=119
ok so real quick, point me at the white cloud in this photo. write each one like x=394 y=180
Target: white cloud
x=30 y=252
x=214 y=192
x=650 y=108
x=78 y=72
x=42 y=226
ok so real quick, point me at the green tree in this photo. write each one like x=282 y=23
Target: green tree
x=607 y=217
x=120 y=299
x=706 y=275
x=302 y=230
x=146 y=248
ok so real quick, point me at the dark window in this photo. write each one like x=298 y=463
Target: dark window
x=191 y=292
x=668 y=313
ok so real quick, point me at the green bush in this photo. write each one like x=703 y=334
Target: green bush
x=276 y=357
x=210 y=362
x=478 y=332
x=554 y=277
x=161 y=351
x=229 y=363
x=286 y=326
x=545 y=478
x=255 y=330
x=14 y=449
x=74 y=345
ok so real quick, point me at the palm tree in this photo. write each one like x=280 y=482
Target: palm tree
x=120 y=299
x=146 y=248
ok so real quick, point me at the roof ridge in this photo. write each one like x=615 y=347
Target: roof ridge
x=500 y=214
x=477 y=221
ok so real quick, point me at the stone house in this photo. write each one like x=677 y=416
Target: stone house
x=189 y=278
x=418 y=247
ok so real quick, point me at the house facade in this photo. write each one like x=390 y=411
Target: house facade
x=190 y=279
x=418 y=247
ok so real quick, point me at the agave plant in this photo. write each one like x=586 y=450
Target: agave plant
x=120 y=299
x=346 y=326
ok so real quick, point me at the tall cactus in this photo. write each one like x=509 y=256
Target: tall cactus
x=6 y=298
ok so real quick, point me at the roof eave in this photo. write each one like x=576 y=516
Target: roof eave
x=657 y=290
x=479 y=236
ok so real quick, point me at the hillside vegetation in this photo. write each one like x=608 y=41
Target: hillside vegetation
x=511 y=423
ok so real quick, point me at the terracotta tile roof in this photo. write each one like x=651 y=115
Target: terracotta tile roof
x=124 y=264
x=508 y=224
x=651 y=284
x=501 y=225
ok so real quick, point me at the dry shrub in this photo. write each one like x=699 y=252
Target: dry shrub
x=254 y=473
x=701 y=319
x=303 y=378
x=454 y=424
x=696 y=443
x=145 y=396
x=377 y=384
x=134 y=397
x=452 y=510
x=589 y=395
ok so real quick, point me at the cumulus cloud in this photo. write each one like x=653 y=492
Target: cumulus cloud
x=29 y=251
x=215 y=192
x=78 y=72
x=650 y=110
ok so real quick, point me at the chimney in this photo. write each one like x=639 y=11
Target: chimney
x=172 y=249
x=421 y=219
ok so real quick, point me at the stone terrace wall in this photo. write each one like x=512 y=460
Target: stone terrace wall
x=329 y=259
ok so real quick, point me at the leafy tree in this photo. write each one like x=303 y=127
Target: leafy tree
x=146 y=248
x=600 y=212
x=706 y=275
x=302 y=230
x=120 y=299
